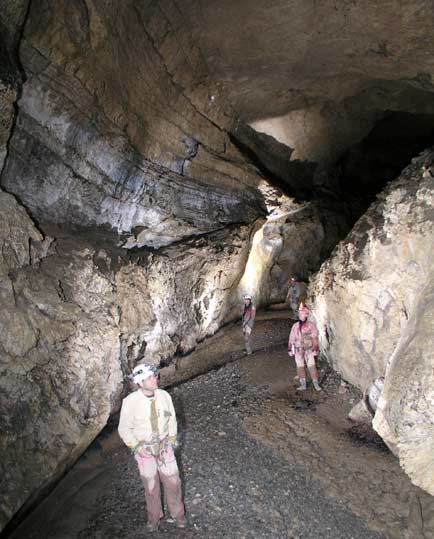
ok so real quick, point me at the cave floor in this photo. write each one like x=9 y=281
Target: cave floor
x=258 y=460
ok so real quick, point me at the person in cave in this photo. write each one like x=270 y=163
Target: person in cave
x=148 y=427
x=249 y=314
x=303 y=345
x=296 y=294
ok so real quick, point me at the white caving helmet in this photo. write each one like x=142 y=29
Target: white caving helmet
x=143 y=371
x=248 y=296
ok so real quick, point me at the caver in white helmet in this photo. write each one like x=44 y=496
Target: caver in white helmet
x=142 y=372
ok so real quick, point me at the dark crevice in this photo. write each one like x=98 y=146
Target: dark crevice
x=12 y=71
x=367 y=167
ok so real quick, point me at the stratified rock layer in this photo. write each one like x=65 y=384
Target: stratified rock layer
x=374 y=310
x=122 y=158
x=116 y=130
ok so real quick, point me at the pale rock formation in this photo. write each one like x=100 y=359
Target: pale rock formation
x=59 y=330
x=294 y=241
x=172 y=301
x=405 y=414
x=372 y=302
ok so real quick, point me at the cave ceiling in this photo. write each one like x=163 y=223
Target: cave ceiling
x=279 y=56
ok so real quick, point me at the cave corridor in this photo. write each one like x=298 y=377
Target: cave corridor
x=159 y=161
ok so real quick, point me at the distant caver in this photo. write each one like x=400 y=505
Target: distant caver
x=249 y=314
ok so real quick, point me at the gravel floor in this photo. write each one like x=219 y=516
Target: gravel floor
x=235 y=487
x=256 y=462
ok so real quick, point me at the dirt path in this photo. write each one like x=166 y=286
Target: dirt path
x=257 y=459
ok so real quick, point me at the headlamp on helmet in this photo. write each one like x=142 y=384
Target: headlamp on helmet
x=142 y=372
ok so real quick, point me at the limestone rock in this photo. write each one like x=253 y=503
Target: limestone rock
x=373 y=305
x=405 y=413
x=352 y=48
x=137 y=152
x=12 y=17
x=294 y=240
x=59 y=366
x=360 y=413
x=316 y=74
x=171 y=301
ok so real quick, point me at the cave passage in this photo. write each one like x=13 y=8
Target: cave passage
x=158 y=161
x=257 y=460
x=366 y=168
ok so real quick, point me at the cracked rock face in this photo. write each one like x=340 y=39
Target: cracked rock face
x=59 y=326
x=116 y=131
x=75 y=316
x=373 y=306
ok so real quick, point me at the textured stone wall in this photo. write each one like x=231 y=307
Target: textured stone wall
x=130 y=228
x=372 y=302
x=294 y=241
x=116 y=127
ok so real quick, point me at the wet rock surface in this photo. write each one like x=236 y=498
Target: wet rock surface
x=257 y=460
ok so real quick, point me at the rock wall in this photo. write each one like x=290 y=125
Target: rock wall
x=59 y=361
x=294 y=241
x=372 y=302
x=116 y=128
x=144 y=213
x=11 y=21
x=405 y=413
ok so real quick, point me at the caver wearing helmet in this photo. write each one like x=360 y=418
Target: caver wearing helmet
x=303 y=344
x=303 y=313
x=143 y=372
x=248 y=318
x=148 y=426
x=296 y=293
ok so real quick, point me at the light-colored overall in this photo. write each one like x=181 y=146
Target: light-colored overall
x=248 y=323
x=151 y=422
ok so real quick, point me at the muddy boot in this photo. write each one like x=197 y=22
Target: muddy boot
x=316 y=385
x=302 y=386
x=181 y=522
x=152 y=526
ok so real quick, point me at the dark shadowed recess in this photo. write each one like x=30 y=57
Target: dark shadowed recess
x=368 y=166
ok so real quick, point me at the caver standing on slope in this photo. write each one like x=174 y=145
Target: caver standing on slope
x=148 y=427
x=303 y=344
x=249 y=314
